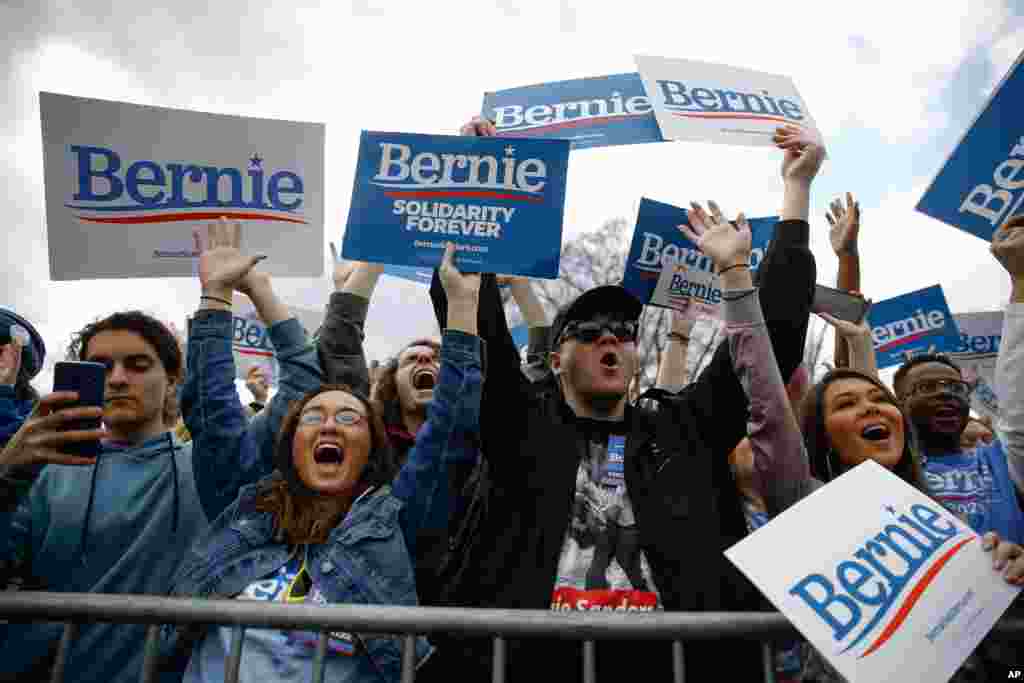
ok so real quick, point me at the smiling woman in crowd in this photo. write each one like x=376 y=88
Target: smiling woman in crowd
x=334 y=524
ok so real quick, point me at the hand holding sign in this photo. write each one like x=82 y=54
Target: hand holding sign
x=342 y=269
x=222 y=266
x=728 y=246
x=804 y=152
x=1005 y=555
x=844 y=225
x=463 y=292
x=1008 y=247
x=478 y=127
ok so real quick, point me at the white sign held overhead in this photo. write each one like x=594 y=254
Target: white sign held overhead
x=701 y=102
x=126 y=184
x=880 y=578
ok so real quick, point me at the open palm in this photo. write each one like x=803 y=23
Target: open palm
x=716 y=237
x=844 y=225
x=222 y=266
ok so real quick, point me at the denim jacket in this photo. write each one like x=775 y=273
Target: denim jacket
x=231 y=450
x=368 y=558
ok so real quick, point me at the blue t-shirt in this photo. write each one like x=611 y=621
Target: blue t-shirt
x=976 y=486
x=275 y=655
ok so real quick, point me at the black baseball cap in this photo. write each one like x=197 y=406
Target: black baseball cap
x=612 y=300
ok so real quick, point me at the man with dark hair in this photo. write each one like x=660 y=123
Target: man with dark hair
x=567 y=447
x=123 y=522
x=983 y=485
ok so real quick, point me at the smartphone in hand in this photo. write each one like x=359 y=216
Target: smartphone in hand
x=840 y=304
x=88 y=379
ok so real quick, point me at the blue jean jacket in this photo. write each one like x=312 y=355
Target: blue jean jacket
x=368 y=557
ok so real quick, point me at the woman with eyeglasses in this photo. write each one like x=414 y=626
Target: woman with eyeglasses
x=335 y=524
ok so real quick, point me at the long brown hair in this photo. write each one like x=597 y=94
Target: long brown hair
x=306 y=516
x=825 y=462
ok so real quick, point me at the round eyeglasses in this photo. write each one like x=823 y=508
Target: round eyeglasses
x=317 y=417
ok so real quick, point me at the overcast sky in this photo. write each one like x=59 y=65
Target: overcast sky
x=891 y=84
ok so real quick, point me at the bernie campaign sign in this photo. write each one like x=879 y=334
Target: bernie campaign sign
x=591 y=112
x=981 y=335
x=913 y=323
x=500 y=201
x=701 y=102
x=981 y=184
x=895 y=588
x=665 y=269
x=250 y=338
x=126 y=184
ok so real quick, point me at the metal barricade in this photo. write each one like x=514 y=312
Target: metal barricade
x=673 y=627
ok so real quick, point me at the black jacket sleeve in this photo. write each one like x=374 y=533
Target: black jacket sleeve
x=340 y=343
x=505 y=400
x=786 y=281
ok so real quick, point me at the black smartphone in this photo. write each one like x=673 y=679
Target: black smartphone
x=88 y=379
x=840 y=304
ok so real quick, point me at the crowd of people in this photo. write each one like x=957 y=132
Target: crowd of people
x=460 y=474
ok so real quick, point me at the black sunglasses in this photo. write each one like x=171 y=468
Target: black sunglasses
x=590 y=331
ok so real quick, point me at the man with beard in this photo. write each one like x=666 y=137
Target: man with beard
x=984 y=485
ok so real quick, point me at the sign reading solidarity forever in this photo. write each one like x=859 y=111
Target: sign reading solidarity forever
x=591 y=112
x=980 y=337
x=913 y=323
x=703 y=102
x=500 y=201
x=896 y=589
x=126 y=184
x=982 y=182
x=665 y=269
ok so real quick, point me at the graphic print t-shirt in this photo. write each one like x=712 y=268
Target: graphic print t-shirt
x=271 y=654
x=976 y=486
x=601 y=566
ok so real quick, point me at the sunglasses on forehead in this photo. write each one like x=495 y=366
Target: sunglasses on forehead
x=589 y=331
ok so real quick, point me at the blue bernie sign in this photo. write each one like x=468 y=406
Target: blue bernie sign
x=912 y=323
x=657 y=242
x=500 y=201
x=982 y=182
x=591 y=112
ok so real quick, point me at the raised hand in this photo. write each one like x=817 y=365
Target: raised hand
x=1008 y=246
x=457 y=286
x=715 y=236
x=222 y=266
x=256 y=383
x=804 y=152
x=844 y=225
x=478 y=126
x=342 y=269
x=39 y=440
x=463 y=293
x=10 y=361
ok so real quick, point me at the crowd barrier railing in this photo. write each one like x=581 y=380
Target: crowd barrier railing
x=674 y=627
